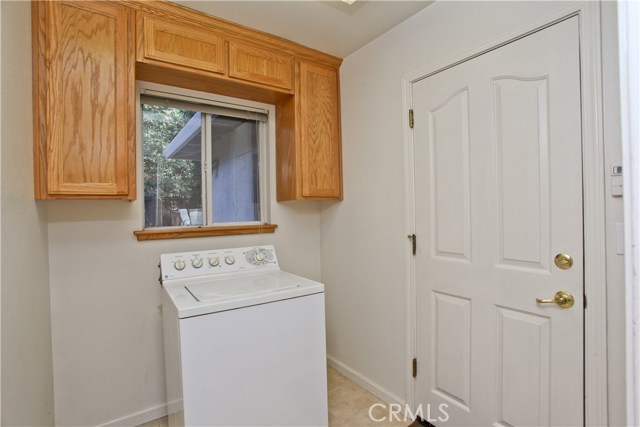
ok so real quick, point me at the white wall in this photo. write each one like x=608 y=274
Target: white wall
x=629 y=44
x=614 y=214
x=107 y=331
x=364 y=240
x=27 y=381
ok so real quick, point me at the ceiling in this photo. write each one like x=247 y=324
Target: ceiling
x=330 y=26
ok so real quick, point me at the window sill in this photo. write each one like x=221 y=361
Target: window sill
x=188 y=232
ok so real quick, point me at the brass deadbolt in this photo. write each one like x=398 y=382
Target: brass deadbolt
x=563 y=261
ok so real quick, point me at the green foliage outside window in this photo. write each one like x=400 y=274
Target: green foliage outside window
x=174 y=183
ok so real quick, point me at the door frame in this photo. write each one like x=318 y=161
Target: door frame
x=595 y=318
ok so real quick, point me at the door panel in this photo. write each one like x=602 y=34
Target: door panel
x=523 y=368
x=498 y=192
x=452 y=353
x=449 y=145
x=521 y=111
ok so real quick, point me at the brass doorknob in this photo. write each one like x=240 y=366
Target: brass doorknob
x=563 y=261
x=563 y=299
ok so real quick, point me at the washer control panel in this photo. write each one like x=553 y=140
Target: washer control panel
x=260 y=256
x=217 y=261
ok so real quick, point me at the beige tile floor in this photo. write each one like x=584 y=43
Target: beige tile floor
x=348 y=406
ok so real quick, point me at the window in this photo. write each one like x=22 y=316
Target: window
x=204 y=163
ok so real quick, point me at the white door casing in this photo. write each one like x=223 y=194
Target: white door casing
x=498 y=192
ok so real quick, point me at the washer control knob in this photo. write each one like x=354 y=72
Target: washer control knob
x=214 y=261
x=230 y=260
x=179 y=265
x=259 y=256
x=197 y=263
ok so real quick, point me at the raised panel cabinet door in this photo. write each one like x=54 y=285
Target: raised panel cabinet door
x=320 y=147
x=88 y=91
x=183 y=45
x=259 y=65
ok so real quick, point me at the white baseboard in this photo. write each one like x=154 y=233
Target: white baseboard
x=138 y=418
x=365 y=382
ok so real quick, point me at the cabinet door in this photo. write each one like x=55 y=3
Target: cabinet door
x=183 y=45
x=88 y=92
x=260 y=65
x=320 y=145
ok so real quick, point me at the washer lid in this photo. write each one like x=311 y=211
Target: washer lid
x=239 y=287
x=206 y=295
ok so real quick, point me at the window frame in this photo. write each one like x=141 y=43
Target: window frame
x=265 y=142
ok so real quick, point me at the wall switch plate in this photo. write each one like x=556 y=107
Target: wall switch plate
x=616 y=186
x=616 y=181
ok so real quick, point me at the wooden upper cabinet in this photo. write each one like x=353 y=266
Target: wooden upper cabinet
x=88 y=54
x=319 y=131
x=308 y=148
x=84 y=92
x=259 y=65
x=182 y=45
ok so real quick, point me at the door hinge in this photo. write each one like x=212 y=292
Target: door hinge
x=411 y=118
x=413 y=243
x=415 y=367
x=585 y=301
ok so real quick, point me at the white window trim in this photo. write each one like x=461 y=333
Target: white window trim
x=267 y=138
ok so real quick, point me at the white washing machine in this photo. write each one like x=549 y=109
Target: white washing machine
x=244 y=341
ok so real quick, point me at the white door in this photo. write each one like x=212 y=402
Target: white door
x=498 y=191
